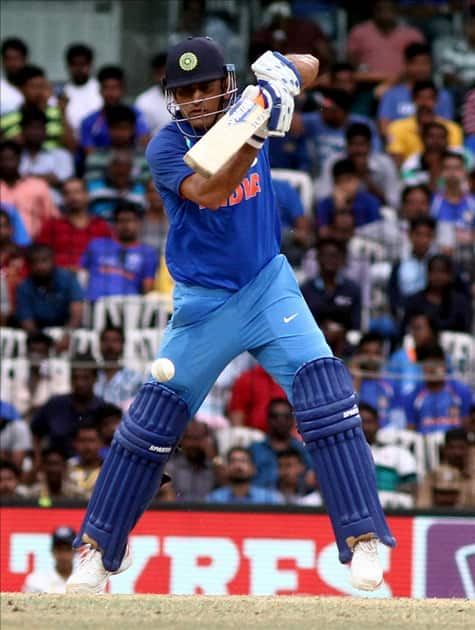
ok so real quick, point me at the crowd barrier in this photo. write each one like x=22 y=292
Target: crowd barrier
x=220 y=550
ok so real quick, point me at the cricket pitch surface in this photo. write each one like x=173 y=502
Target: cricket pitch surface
x=143 y=612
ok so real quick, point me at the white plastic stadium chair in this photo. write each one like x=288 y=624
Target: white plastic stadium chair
x=368 y=249
x=132 y=311
x=460 y=347
x=228 y=437
x=300 y=181
x=411 y=440
x=13 y=376
x=84 y=341
x=142 y=343
x=12 y=343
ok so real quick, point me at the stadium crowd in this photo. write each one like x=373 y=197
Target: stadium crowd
x=375 y=184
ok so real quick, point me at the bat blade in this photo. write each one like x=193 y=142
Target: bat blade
x=227 y=136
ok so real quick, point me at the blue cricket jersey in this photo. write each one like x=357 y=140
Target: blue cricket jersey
x=225 y=248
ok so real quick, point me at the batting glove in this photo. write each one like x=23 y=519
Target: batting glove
x=272 y=66
x=281 y=104
x=258 y=138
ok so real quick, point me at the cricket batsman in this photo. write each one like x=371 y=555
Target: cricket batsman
x=234 y=292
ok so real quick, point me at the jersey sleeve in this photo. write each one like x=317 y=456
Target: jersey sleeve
x=165 y=158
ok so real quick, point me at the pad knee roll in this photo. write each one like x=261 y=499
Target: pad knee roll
x=328 y=419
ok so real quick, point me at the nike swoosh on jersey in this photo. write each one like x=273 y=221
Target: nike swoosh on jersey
x=290 y=318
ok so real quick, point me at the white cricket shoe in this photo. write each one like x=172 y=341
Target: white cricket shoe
x=90 y=577
x=366 y=572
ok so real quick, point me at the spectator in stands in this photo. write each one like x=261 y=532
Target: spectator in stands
x=41 y=381
x=19 y=234
x=454 y=211
x=376 y=171
x=458 y=57
x=356 y=268
x=54 y=165
x=290 y=34
x=403 y=367
x=154 y=225
x=50 y=296
x=123 y=265
x=57 y=421
x=404 y=135
x=291 y=152
x=395 y=465
x=30 y=195
x=440 y=299
x=107 y=418
x=426 y=167
x=343 y=77
x=82 y=89
x=115 y=383
x=280 y=424
x=52 y=479
x=367 y=368
x=347 y=196
x=35 y=89
x=94 y=131
x=240 y=487
x=326 y=130
x=368 y=40
x=54 y=580
x=415 y=203
x=468 y=120
x=296 y=233
x=14 y=57
x=218 y=22
x=409 y=275
x=251 y=394
x=5 y=307
x=70 y=234
x=397 y=102
x=438 y=403
x=121 y=124
x=330 y=293
x=291 y=469
x=456 y=454
x=335 y=333
x=9 y=480
x=191 y=468
x=118 y=184
x=13 y=267
x=152 y=102
x=15 y=435
x=85 y=466
x=442 y=489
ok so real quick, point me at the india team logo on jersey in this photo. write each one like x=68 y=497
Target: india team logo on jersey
x=247 y=189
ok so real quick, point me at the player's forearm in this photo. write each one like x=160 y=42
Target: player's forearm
x=211 y=192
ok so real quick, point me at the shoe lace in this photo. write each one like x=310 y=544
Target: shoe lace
x=369 y=546
x=85 y=553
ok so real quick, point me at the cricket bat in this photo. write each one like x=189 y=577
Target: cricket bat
x=227 y=136
x=234 y=129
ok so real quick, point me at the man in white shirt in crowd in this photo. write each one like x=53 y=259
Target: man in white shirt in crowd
x=152 y=102
x=14 y=57
x=82 y=90
x=53 y=580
